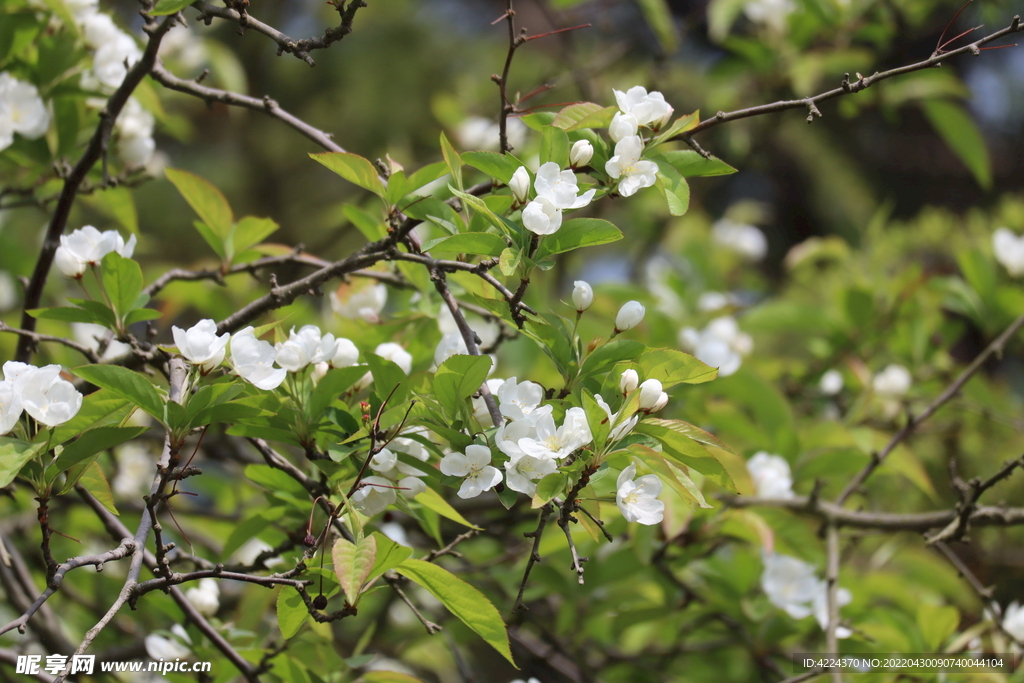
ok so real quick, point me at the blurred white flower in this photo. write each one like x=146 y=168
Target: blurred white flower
x=1013 y=620
x=396 y=354
x=110 y=60
x=134 y=128
x=1009 y=250
x=360 y=302
x=8 y=292
x=451 y=344
x=477 y=132
x=831 y=383
x=649 y=109
x=395 y=532
x=638 y=500
x=200 y=345
x=709 y=302
x=892 y=382
x=771 y=13
x=99 y=29
x=820 y=607
x=790 y=584
x=771 y=475
x=91 y=335
x=720 y=345
x=475 y=466
x=633 y=172
x=136 y=467
x=205 y=597
x=746 y=240
x=374 y=496
x=22 y=110
x=160 y=648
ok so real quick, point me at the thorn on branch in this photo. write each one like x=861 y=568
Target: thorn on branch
x=812 y=111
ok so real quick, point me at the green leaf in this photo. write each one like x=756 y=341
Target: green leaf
x=549 y=487
x=92 y=442
x=674 y=188
x=671 y=367
x=122 y=280
x=609 y=354
x=675 y=438
x=205 y=199
x=680 y=125
x=373 y=228
x=689 y=164
x=452 y=160
x=352 y=564
x=554 y=146
x=483 y=243
x=659 y=18
x=95 y=482
x=462 y=600
x=14 y=453
x=331 y=386
x=509 y=260
x=959 y=131
x=353 y=168
x=500 y=166
x=398 y=187
x=937 y=624
x=126 y=384
x=458 y=378
x=275 y=480
x=140 y=315
x=576 y=233
x=584 y=115
x=389 y=555
x=250 y=231
x=98 y=408
x=72 y=315
x=165 y=7
x=210 y=237
x=387 y=376
x=291 y=612
x=432 y=500
x=426 y=175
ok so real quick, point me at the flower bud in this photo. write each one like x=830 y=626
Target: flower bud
x=630 y=381
x=665 y=119
x=650 y=392
x=582 y=295
x=69 y=264
x=629 y=316
x=309 y=541
x=581 y=153
x=622 y=126
x=520 y=185
x=660 y=403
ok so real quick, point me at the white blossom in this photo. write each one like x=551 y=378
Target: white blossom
x=521 y=400
x=345 y=353
x=91 y=335
x=771 y=13
x=46 y=397
x=582 y=295
x=650 y=392
x=110 y=60
x=396 y=354
x=1009 y=251
x=638 y=500
x=306 y=347
x=617 y=429
x=480 y=411
x=364 y=302
x=746 y=240
x=451 y=344
x=22 y=110
x=819 y=606
x=633 y=172
x=520 y=185
x=10 y=406
x=253 y=360
x=709 y=302
x=475 y=466
x=649 y=109
x=477 y=132
x=720 y=345
x=581 y=153
x=790 y=584
x=375 y=494
x=622 y=126
x=87 y=246
x=557 y=190
x=542 y=217
x=99 y=29
x=200 y=345
x=384 y=461
x=558 y=443
x=1013 y=620
x=629 y=316
x=395 y=532
x=134 y=128
x=892 y=382
x=771 y=475
x=205 y=597
x=160 y=648
x=522 y=473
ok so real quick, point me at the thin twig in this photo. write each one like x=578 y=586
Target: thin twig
x=542 y=521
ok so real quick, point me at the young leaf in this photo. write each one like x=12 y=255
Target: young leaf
x=353 y=563
x=547 y=488
x=554 y=146
x=462 y=600
x=431 y=500
x=95 y=482
x=389 y=555
x=689 y=164
x=291 y=612
x=671 y=367
x=453 y=160
x=249 y=231
x=14 y=453
x=483 y=243
x=500 y=166
x=584 y=115
x=205 y=199
x=673 y=186
x=458 y=378
x=122 y=280
x=678 y=445
x=352 y=168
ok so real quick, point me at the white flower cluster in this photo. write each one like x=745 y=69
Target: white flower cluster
x=792 y=585
x=254 y=360
x=721 y=344
x=134 y=128
x=637 y=108
x=393 y=475
x=771 y=475
x=556 y=191
x=40 y=392
x=22 y=111
x=86 y=247
x=1009 y=250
